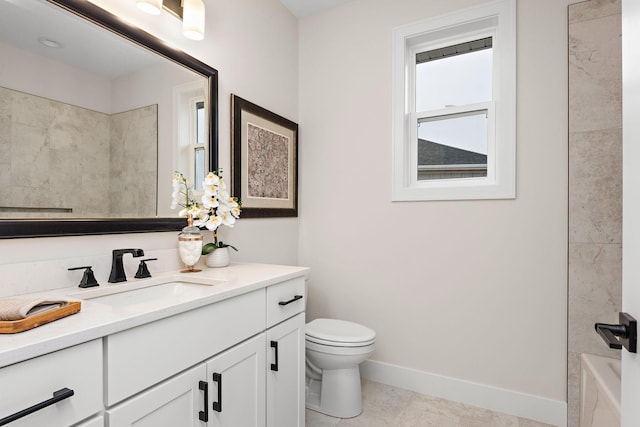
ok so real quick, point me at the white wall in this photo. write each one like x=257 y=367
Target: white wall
x=253 y=44
x=23 y=71
x=470 y=290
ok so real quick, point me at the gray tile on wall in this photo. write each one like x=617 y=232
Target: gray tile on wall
x=595 y=294
x=595 y=75
x=595 y=186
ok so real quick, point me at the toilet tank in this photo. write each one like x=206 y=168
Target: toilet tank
x=600 y=391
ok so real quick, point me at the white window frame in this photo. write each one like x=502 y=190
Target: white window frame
x=497 y=20
x=186 y=96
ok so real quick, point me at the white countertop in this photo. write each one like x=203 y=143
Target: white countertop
x=96 y=320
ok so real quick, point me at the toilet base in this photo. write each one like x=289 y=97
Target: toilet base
x=338 y=394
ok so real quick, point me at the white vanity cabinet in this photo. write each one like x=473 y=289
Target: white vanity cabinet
x=209 y=366
x=237 y=385
x=285 y=373
x=236 y=362
x=286 y=350
x=73 y=375
x=141 y=357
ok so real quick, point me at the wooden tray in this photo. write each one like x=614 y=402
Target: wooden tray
x=14 y=326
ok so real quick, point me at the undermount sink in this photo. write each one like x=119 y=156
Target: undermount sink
x=124 y=296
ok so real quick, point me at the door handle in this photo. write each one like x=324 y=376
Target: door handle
x=621 y=335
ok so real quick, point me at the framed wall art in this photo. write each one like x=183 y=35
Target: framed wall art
x=264 y=161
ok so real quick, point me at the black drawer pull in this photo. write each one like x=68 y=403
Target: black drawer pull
x=294 y=299
x=204 y=415
x=58 y=396
x=217 y=406
x=274 y=366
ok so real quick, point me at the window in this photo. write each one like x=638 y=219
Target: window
x=191 y=135
x=454 y=106
x=199 y=141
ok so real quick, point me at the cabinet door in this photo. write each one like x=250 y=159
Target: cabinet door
x=175 y=402
x=54 y=390
x=285 y=373
x=237 y=385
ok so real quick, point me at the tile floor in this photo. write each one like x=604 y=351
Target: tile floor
x=386 y=406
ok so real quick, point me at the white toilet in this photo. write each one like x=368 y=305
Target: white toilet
x=335 y=349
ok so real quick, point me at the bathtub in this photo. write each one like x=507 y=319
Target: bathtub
x=600 y=391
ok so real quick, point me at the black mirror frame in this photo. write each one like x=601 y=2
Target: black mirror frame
x=78 y=227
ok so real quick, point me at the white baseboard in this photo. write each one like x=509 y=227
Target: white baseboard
x=496 y=399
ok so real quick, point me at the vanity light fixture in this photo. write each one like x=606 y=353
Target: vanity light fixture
x=192 y=13
x=154 y=7
x=193 y=19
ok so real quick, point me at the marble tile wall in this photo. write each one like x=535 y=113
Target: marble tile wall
x=47 y=160
x=595 y=182
x=134 y=147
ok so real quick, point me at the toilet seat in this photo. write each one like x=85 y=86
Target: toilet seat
x=339 y=333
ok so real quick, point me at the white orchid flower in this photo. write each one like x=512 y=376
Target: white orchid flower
x=210 y=201
x=226 y=218
x=222 y=185
x=211 y=182
x=174 y=200
x=201 y=218
x=224 y=196
x=213 y=223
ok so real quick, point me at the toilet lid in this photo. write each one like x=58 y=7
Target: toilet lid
x=338 y=331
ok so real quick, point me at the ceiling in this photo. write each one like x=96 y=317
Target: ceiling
x=85 y=46
x=23 y=22
x=302 y=8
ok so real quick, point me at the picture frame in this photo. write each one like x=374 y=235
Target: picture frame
x=264 y=161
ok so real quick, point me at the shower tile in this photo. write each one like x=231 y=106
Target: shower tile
x=30 y=110
x=5 y=140
x=5 y=103
x=595 y=186
x=593 y=9
x=595 y=294
x=573 y=390
x=595 y=77
x=30 y=145
x=5 y=184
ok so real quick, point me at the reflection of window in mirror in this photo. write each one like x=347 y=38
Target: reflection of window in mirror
x=191 y=139
x=454 y=105
x=455 y=77
x=199 y=152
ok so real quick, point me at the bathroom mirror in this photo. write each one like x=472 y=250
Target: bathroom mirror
x=59 y=177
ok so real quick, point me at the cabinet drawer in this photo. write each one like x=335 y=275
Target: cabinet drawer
x=285 y=300
x=143 y=356
x=34 y=381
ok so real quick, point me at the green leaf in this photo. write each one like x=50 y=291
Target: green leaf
x=208 y=248
x=221 y=244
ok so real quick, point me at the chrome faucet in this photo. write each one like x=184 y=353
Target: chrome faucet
x=117 y=269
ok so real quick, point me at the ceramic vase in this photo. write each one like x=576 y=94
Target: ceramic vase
x=218 y=258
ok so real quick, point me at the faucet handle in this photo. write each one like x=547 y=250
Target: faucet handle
x=88 y=278
x=143 y=270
